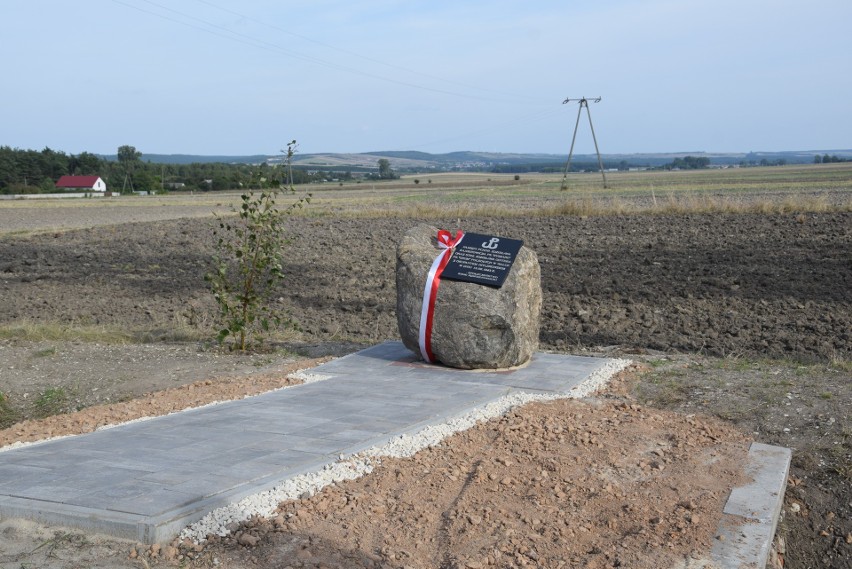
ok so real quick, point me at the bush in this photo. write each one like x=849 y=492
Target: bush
x=248 y=264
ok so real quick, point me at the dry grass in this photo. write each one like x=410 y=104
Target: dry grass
x=9 y=415
x=177 y=331
x=802 y=189
x=711 y=204
x=788 y=190
x=597 y=206
x=55 y=332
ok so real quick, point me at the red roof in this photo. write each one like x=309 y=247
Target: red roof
x=77 y=181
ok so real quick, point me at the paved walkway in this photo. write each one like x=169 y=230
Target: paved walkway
x=147 y=480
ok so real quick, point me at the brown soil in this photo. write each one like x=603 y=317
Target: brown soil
x=746 y=287
x=564 y=484
x=720 y=284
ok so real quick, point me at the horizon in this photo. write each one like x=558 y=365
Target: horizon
x=203 y=79
x=843 y=152
x=555 y=154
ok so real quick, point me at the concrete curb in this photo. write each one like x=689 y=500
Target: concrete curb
x=750 y=516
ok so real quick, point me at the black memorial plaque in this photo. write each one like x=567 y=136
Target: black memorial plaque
x=482 y=259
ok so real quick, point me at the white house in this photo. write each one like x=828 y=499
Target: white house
x=81 y=184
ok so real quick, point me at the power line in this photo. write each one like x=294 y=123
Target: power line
x=359 y=55
x=252 y=43
x=202 y=25
x=268 y=46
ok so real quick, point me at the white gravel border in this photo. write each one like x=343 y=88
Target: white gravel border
x=223 y=520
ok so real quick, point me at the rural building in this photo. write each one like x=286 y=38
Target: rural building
x=81 y=184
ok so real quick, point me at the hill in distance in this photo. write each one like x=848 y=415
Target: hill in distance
x=423 y=161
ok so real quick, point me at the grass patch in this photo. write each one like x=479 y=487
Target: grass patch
x=755 y=393
x=58 y=332
x=8 y=414
x=736 y=364
x=45 y=353
x=52 y=401
x=172 y=334
x=180 y=330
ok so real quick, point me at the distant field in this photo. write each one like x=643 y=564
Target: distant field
x=824 y=187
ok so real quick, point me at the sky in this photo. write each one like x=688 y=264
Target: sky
x=225 y=77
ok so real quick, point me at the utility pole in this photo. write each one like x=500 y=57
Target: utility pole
x=583 y=102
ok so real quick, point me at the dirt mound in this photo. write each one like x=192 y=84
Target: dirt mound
x=601 y=483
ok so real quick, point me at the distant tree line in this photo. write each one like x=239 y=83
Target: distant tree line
x=688 y=163
x=33 y=172
x=557 y=167
x=548 y=167
x=826 y=159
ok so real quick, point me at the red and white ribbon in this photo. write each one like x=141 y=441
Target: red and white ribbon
x=427 y=313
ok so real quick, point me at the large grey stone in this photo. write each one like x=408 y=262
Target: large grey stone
x=474 y=326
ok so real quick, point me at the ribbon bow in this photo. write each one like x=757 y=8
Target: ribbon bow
x=447 y=243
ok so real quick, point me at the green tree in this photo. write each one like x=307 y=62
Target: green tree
x=385 y=171
x=689 y=163
x=128 y=157
x=8 y=169
x=53 y=164
x=248 y=264
x=84 y=164
x=145 y=181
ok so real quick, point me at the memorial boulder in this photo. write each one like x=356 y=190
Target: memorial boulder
x=470 y=324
